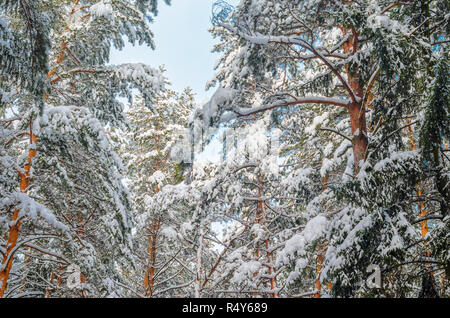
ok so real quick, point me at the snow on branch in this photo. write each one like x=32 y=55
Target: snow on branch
x=295 y=40
x=32 y=209
x=293 y=101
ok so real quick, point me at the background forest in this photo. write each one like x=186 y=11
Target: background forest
x=333 y=120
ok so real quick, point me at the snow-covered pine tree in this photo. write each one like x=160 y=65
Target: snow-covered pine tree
x=364 y=60
x=244 y=265
x=159 y=245
x=357 y=91
x=62 y=96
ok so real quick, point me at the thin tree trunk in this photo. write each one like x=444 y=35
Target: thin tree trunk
x=428 y=283
x=318 y=271
x=149 y=278
x=150 y=270
x=320 y=251
x=198 y=280
x=259 y=217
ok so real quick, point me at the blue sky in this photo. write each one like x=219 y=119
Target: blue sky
x=183 y=45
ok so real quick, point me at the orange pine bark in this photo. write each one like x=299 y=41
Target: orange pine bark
x=150 y=269
x=149 y=278
x=423 y=212
x=318 y=270
x=258 y=216
x=259 y=220
x=356 y=111
x=13 y=233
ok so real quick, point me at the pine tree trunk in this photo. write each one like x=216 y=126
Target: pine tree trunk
x=259 y=218
x=356 y=109
x=149 y=278
x=198 y=276
x=318 y=271
x=272 y=270
x=359 y=132
x=428 y=289
x=13 y=234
